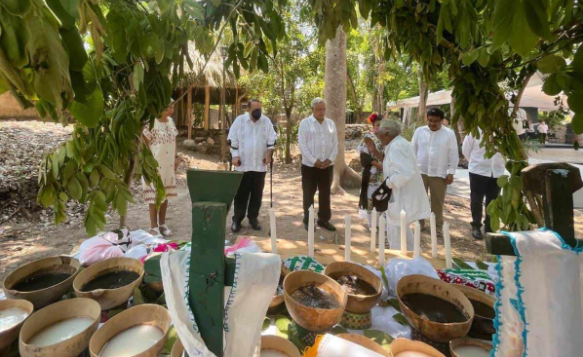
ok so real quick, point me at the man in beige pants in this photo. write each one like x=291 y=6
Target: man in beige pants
x=436 y=149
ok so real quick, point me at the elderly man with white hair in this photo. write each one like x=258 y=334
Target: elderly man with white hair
x=404 y=179
x=318 y=143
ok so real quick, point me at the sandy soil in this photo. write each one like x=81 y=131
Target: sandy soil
x=24 y=242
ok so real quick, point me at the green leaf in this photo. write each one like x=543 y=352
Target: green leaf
x=266 y=324
x=107 y=173
x=337 y=330
x=47 y=196
x=400 y=318
x=89 y=113
x=551 y=64
x=93 y=179
x=537 y=17
x=502 y=180
x=578 y=60
x=462 y=264
x=71 y=7
x=522 y=39
x=282 y=323
x=149 y=45
x=470 y=57
x=504 y=12
x=69 y=170
x=395 y=304
x=75 y=48
x=380 y=337
x=63 y=196
x=16 y=7
x=14 y=38
x=248 y=48
x=481 y=265
x=575 y=102
x=484 y=57
x=67 y=20
x=138 y=77
x=74 y=188
x=194 y=9
x=551 y=85
x=216 y=3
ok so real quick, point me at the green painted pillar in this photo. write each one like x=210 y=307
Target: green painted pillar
x=211 y=193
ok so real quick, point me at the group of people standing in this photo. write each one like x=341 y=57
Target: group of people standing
x=410 y=170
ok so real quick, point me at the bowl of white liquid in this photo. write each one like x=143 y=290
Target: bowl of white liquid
x=140 y=331
x=12 y=316
x=275 y=346
x=402 y=347
x=469 y=347
x=62 y=329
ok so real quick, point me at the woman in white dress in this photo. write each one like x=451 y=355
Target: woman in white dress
x=162 y=142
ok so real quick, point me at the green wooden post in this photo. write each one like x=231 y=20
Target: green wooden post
x=211 y=193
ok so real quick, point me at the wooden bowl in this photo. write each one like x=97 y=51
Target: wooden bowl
x=435 y=331
x=358 y=304
x=365 y=342
x=177 y=349
x=482 y=326
x=458 y=342
x=43 y=297
x=147 y=314
x=279 y=344
x=52 y=314
x=277 y=300
x=403 y=345
x=109 y=298
x=8 y=336
x=310 y=318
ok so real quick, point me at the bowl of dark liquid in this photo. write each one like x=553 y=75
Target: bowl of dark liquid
x=436 y=309
x=43 y=281
x=363 y=287
x=110 y=282
x=483 y=324
x=314 y=301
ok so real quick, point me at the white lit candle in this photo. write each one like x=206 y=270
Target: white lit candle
x=273 y=230
x=433 y=236
x=347 y=236
x=417 y=245
x=311 y=232
x=447 y=242
x=373 y=230
x=403 y=232
x=382 y=230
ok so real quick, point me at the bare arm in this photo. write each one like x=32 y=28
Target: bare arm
x=372 y=149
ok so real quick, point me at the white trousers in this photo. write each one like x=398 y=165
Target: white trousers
x=394 y=237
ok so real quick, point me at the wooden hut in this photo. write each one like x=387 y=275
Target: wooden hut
x=203 y=85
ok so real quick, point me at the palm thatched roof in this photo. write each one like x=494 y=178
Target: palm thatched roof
x=213 y=72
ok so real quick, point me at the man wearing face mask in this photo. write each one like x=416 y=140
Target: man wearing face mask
x=252 y=143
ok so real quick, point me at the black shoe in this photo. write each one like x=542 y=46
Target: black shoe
x=477 y=233
x=236 y=226
x=255 y=224
x=327 y=225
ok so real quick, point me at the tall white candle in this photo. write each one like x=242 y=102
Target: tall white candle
x=347 y=237
x=373 y=230
x=417 y=245
x=403 y=232
x=433 y=236
x=311 y=232
x=273 y=230
x=447 y=242
x=382 y=230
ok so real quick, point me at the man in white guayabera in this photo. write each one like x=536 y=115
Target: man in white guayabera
x=437 y=155
x=318 y=143
x=404 y=179
x=252 y=142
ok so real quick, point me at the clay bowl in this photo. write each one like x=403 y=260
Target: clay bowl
x=109 y=298
x=177 y=349
x=147 y=314
x=310 y=318
x=435 y=331
x=458 y=342
x=279 y=344
x=403 y=345
x=52 y=314
x=43 y=297
x=365 y=342
x=482 y=326
x=358 y=304
x=8 y=336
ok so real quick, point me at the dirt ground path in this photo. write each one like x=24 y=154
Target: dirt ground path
x=26 y=242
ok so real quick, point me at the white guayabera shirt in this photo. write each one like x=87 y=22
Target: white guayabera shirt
x=436 y=151
x=250 y=141
x=478 y=163
x=317 y=141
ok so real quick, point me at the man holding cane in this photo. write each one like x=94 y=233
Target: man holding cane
x=318 y=143
x=252 y=142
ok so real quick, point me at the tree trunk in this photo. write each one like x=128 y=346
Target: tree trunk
x=354 y=97
x=335 y=94
x=457 y=129
x=423 y=94
x=288 y=128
